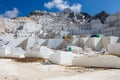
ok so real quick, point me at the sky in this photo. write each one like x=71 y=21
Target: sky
x=14 y=8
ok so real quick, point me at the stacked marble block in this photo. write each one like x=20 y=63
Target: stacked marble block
x=111 y=60
x=98 y=43
x=108 y=61
x=114 y=49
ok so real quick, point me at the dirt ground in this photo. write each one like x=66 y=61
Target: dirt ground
x=11 y=69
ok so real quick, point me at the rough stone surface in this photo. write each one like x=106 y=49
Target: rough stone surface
x=109 y=40
x=61 y=57
x=114 y=49
x=98 y=61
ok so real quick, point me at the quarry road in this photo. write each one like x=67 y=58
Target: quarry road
x=12 y=70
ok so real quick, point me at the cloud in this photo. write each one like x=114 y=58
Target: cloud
x=61 y=5
x=10 y=14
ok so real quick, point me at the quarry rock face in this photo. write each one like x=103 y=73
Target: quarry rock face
x=68 y=12
x=102 y=16
x=87 y=16
x=50 y=24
